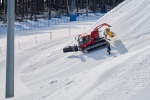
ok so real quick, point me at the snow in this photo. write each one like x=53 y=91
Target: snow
x=44 y=72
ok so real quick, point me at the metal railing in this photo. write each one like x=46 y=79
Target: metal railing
x=43 y=23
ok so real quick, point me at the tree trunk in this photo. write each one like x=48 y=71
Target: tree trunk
x=68 y=11
x=35 y=11
x=31 y=9
x=77 y=6
x=49 y=9
x=114 y=1
x=94 y=6
x=5 y=11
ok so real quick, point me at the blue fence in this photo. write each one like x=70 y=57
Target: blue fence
x=41 y=23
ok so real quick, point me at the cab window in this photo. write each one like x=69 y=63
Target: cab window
x=80 y=40
x=85 y=39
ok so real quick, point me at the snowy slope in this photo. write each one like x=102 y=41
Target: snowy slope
x=46 y=73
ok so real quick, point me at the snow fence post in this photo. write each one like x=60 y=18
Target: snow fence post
x=50 y=35
x=69 y=31
x=19 y=45
x=35 y=40
x=1 y=51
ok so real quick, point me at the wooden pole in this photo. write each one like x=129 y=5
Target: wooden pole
x=69 y=31
x=19 y=45
x=1 y=51
x=35 y=40
x=50 y=35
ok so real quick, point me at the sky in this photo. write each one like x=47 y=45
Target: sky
x=44 y=72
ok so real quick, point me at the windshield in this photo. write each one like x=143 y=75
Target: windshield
x=83 y=40
x=80 y=40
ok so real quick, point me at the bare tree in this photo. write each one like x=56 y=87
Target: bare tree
x=5 y=11
x=114 y=1
x=29 y=8
x=68 y=10
x=49 y=9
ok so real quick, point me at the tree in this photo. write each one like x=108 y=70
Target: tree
x=30 y=8
x=49 y=9
x=68 y=10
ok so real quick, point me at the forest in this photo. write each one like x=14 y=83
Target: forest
x=34 y=9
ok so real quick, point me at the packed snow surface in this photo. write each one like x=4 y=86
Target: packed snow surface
x=44 y=72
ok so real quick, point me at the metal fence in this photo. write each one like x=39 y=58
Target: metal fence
x=42 y=23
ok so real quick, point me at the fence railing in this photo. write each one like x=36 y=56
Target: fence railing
x=42 y=23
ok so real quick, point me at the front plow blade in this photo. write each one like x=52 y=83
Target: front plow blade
x=70 y=49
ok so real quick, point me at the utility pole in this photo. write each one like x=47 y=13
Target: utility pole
x=10 y=50
x=86 y=7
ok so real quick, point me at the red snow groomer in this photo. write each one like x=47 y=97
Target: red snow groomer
x=89 y=42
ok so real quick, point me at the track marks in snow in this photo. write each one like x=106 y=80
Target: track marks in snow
x=41 y=59
x=50 y=44
x=55 y=87
x=46 y=60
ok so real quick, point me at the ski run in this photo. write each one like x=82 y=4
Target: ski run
x=44 y=72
